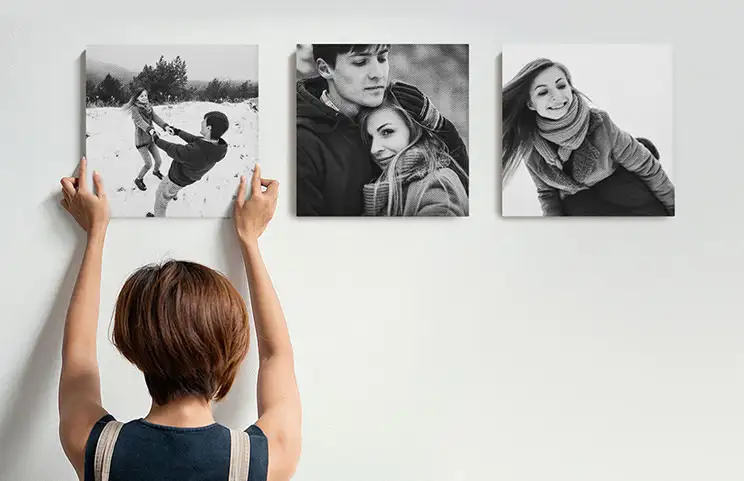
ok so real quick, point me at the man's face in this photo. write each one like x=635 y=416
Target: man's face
x=359 y=77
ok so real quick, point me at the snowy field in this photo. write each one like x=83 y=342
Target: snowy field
x=110 y=151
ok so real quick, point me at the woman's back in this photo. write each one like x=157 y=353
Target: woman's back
x=146 y=451
x=186 y=328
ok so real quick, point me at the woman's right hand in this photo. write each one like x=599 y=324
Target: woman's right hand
x=252 y=215
x=89 y=207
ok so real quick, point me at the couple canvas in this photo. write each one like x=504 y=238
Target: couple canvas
x=372 y=140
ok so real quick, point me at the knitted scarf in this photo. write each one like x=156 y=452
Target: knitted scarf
x=409 y=168
x=568 y=132
x=145 y=109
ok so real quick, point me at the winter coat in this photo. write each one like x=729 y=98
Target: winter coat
x=438 y=194
x=605 y=147
x=332 y=161
x=143 y=123
x=193 y=160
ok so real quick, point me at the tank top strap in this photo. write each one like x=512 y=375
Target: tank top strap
x=240 y=455
x=105 y=450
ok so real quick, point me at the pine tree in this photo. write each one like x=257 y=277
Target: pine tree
x=109 y=90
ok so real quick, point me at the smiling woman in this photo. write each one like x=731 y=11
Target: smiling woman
x=419 y=177
x=551 y=94
x=580 y=162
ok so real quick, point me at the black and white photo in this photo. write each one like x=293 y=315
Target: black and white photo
x=171 y=128
x=587 y=131
x=382 y=130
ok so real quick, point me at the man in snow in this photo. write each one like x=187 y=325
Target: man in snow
x=333 y=163
x=192 y=160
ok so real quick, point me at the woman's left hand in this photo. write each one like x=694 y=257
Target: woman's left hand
x=90 y=209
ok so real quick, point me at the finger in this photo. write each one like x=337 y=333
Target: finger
x=267 y=182
x=272 y=189
x=65 y=203
x=67 y=186
x=241 y=190
x=98 y=184
x=256 y=181
x=83 y=177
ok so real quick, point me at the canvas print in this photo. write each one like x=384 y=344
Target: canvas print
x=171 y=128
x=382 y=130
x=587 y=131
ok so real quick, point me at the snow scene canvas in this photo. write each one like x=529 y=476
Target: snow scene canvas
x=171 y=128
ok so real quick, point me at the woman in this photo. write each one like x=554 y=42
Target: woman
x=580 y=161
x=186 y=328
x=419 y=177
x=143 y=116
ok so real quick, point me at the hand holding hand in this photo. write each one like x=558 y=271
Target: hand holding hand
x=169 y=130
x=90 y=209
x=251 y=216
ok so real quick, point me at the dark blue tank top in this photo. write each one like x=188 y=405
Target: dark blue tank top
x=151 y=452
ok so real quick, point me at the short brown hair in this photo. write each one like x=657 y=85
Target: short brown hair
x=185 y=326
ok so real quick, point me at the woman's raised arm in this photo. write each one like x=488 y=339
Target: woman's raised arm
x=279 y=410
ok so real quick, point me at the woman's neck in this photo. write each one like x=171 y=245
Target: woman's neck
x=188 y=412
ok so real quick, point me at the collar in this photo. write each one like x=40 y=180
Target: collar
x=327 y=100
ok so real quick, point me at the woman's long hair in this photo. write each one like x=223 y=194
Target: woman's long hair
x=432 y=154
x=133 y=99
x=518 y=121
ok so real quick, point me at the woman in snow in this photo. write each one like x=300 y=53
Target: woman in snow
x=580 y=161
x=143 y=116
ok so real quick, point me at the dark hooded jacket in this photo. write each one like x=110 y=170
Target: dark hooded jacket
x=333 y=164
x=193 y=160
x=332 y=161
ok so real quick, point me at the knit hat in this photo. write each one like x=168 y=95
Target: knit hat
x=219 y=123
x=415 y=102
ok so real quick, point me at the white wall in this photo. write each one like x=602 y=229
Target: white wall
x=476 y=349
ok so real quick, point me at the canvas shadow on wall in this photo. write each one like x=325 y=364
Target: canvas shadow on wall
x=164 y=153
x=587 y=131
x=382 y=130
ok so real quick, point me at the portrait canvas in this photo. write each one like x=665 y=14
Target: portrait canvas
x=171 y=128
x=586 y=130
x=382 y=130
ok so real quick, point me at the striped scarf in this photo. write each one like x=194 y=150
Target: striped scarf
x=568 y=132
x=411 y=166
x=145 y=110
